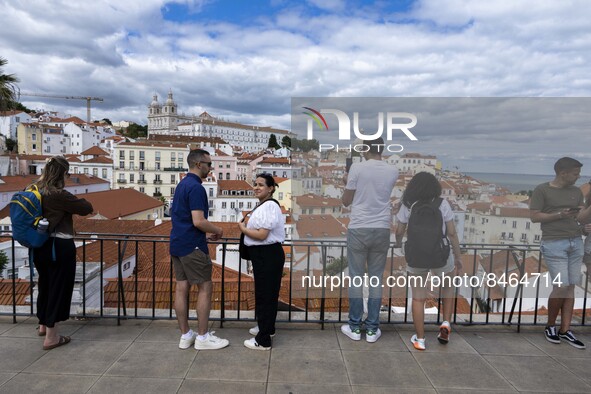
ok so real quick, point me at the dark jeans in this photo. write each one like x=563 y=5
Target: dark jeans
x=267 y=265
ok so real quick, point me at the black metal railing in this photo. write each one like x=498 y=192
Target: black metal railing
x=147 y=289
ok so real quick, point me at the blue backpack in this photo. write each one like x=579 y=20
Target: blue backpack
x=25 y=213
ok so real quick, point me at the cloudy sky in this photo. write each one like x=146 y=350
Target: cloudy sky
x=245 y=60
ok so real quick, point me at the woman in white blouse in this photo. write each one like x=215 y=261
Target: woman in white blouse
x=263 y=234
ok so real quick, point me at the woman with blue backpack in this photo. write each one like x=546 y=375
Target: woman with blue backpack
x=428 y=221
x=55 y=260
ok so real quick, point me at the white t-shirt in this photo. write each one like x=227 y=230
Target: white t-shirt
x=269 y=217
x=373 y=181
x=446 y=212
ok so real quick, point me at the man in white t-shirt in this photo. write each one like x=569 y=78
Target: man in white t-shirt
x=369 y=187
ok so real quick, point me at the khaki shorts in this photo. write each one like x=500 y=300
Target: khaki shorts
x=194 y=267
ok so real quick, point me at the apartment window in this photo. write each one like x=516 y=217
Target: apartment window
x=86 y=170
x=285 y=174
x=515 y=224
x=523 y=236
x=172 y=156
x=157 y=178
x=173 y=179
x=142 y=190
x=281 y=195
x=232 y=218
x=172 y=191
x=221 y=176
x=224 y=218
x=95 y=171
x=104 y=173
x=527 y=225
x=142 y=155
x=131 y=155
x=180 y=158
x=34 y=137
x=210 y=192
x=537 y=238
x=158 y=165
x=249 y=205
x=121 y=165
x=227 y=176
x=224 y=205
x=34 y=146
x=141 y=165
x=228 y=165
x=510 y=235
x=121 y=155
x=240 y=205
x=504 y=221
x=232 y=205
x=157 y=156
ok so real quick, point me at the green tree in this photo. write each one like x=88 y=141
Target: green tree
x=304 y=145
x=3 y=260
x=136 y=131
x=273 y=142
x=286 y=141
x=336 y=266
x=8 y=89
x=10 y=144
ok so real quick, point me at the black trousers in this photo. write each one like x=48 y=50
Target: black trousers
x=267 y=265
x=56 y=280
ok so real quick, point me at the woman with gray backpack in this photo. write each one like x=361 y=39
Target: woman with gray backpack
x=428 y=221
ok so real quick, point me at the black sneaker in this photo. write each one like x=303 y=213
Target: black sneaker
x=551 y=334
x=570 y=338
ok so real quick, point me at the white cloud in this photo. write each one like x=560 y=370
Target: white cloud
x=125 y=51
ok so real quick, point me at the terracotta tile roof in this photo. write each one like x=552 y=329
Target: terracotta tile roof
x=33 y=157
x=479 y=206
x=99 y=160
x=129 y=202
x=275 y=160
x=220 y=153
x=94 y=151
x=83 y=224
x=319 y=226
x=185 y=138
x=83 y=179
x=73 y=159
x=234 y=185
x=11 y=112
x=279 y=180
x=313 y=200
x=22 y=290
x=514 y=212
x=154 y=143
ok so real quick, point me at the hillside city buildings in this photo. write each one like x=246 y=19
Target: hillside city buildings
x=132 y=183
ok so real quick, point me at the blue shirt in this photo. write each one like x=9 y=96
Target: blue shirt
x=190 y=195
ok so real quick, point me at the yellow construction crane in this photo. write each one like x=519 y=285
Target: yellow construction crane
x=88 y=99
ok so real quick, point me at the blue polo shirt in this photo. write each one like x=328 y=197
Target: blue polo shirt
x=190 y=195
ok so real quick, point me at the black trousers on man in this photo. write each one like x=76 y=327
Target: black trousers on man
x=267 y=265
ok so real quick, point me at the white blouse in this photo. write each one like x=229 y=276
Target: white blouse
x=267 y=216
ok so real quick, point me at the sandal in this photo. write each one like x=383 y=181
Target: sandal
x=41 y=333
x=62 y=341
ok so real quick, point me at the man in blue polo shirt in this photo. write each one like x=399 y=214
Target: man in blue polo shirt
x=189 y=252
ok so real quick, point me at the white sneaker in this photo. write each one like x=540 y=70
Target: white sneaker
x=354 y=335
x=211 y=343
x=418 y=343
x=372 y=336
x=187 y=343
x=252 y=344
x=255 y=330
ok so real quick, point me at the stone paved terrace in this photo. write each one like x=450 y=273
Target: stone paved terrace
x=141 y=356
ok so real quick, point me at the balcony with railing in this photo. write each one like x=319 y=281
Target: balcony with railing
x=124 y=332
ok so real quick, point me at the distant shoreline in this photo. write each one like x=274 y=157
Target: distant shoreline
x=517 y=182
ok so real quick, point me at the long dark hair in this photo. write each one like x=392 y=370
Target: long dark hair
x=422 y=187
x=269 y=180
x=53 y=178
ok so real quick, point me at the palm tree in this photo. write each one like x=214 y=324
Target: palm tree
x=8 y=90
